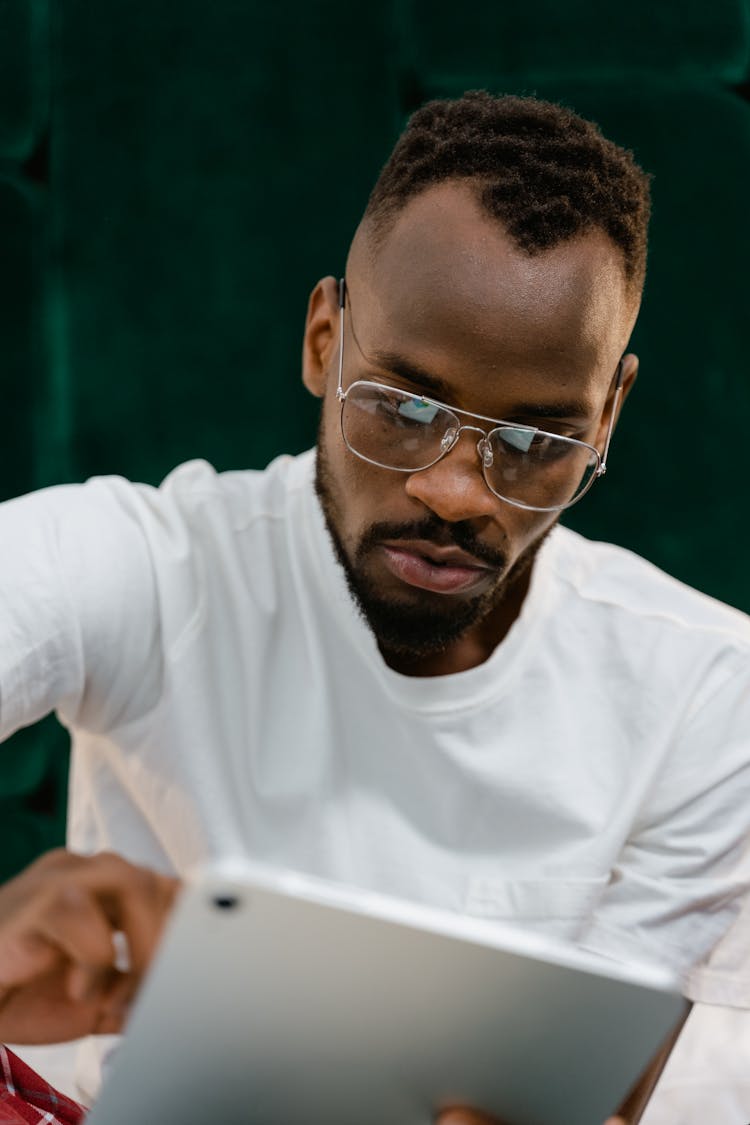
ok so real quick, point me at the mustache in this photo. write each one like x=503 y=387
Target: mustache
x=437 y=531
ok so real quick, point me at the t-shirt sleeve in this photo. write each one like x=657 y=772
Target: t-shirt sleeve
x=723 y=977
x=78 y=608
x=684 y=874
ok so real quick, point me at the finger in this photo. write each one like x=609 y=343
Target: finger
x=86 y=983
x=135 y=901
x=461 y=1115
x=141 y=911
x=56 y=925
x=117 y=995
x=115 y=1004
x=74 y=921
x=132 y=900
x=110 y=1023
x=41 y=1011
x=141 y=915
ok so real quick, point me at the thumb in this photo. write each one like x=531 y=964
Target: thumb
x=461 y=1116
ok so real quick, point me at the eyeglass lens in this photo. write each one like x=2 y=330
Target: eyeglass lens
x=397 y=430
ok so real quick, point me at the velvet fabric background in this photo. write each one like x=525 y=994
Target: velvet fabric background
x=175 y=177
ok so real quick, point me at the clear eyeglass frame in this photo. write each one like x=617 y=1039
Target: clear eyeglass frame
x=484 y=448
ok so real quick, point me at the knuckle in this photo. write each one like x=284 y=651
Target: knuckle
x=145 y=882
x=170 y=887
x=109 y=859
x=54 y=860
x=69 y=895
x=116 y=868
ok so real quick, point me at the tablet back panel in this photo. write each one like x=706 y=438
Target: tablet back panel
x=271 y=1008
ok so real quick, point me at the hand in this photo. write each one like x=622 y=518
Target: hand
x=58 y=978
x=459 y=1116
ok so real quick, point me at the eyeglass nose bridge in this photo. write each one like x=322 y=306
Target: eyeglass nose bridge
x=483 y=446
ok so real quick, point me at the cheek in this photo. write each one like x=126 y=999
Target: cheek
x=362 y=494
x=525 y=529
x=373 y=495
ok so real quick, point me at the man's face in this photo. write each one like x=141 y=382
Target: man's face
x=447 y=306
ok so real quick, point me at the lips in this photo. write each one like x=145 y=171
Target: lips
x=441 y=570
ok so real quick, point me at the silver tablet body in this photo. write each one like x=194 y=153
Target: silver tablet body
x=278 y=999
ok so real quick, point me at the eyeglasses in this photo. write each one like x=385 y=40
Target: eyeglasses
x=525 y=466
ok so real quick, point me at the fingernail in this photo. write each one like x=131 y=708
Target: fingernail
x=122 y=961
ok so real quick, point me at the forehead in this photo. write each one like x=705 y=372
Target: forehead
x=446 y=287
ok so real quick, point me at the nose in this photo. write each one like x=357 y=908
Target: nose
x=454 y=487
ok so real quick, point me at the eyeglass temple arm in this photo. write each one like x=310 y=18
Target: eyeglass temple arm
x=342 y=305
x=615 y=403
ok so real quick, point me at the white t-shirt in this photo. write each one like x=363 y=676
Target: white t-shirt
x=707 y=1078
x=591 y=779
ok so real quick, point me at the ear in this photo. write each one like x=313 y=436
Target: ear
x=629 y=372
x=321 y=335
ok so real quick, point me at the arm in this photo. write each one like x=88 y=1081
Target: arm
x=78 y=606
x=58 y=978
x=684 y=872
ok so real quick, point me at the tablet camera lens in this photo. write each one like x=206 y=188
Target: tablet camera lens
x=226 y=902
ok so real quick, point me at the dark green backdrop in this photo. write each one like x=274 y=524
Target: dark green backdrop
x=175 y=177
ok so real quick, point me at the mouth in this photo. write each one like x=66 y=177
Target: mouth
x=441 y=570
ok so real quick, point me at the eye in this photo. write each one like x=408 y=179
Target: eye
x=536 y=445
x=517 y=441
x=417 y=410
x=407 y=411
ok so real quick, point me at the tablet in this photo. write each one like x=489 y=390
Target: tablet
x=279 y=999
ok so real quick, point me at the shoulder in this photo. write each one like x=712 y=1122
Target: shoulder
x=238 y=498
x=615 y=582
x=111 y=540
x=194 y=502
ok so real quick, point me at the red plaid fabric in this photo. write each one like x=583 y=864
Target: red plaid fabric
x=26 y=1099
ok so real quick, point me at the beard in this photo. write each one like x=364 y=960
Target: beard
x=413 y=629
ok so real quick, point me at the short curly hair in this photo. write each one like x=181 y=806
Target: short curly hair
x=544 y=172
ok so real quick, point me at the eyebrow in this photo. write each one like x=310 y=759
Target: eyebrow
x=573 y=409
x=413 y=372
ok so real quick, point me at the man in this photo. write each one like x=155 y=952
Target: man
x=386 y=664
